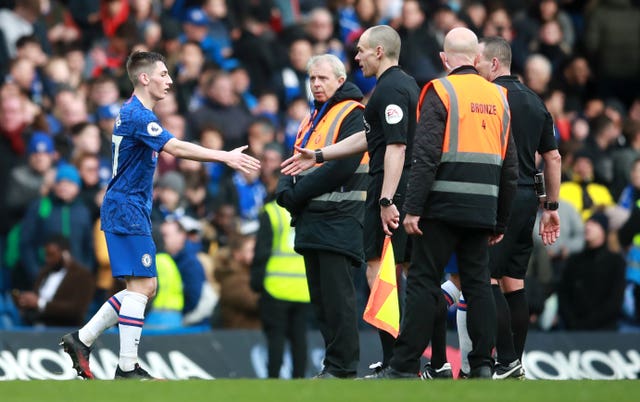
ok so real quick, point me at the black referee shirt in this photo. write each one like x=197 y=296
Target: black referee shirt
x=531 y=126
x=390 y=116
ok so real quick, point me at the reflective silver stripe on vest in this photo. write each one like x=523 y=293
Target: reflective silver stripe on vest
x=337 y=196
x=276 y=241
x=334 y=124
x=454 y=116
x=277 y=250
x=505 y=117
x=462 y=187
x=282 y=275
x=472 y=157
x=362 y=169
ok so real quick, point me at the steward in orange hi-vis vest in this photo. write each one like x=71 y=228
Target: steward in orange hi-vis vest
x=324 y=134
x=467 y=182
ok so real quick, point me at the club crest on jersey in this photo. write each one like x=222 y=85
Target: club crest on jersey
x=154 y=129
x=146 y=260
x=393 y=114
x=118 y=121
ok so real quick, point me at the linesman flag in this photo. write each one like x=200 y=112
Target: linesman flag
x=383 y=308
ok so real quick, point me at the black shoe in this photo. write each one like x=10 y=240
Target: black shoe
x=481 y=372
x=138 y=373
x=462 y=375
x=325 y=375
x=79 y=353
x=512 y=370
x=443 y=373
x=389 y=373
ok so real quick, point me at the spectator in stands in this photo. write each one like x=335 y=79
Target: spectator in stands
x=85 y=138
x=599 y=145
x=612 y=40
x=256 y=49
x=188 y=69
x=169 y=202
x=93 y=185
x=223 y=109
x=626 y=170
x=260 y=133
x=247 y=193
x=242 y=86
x=238 y=303
x=199 y=297
x=319 y=28
x=538 y=73
x=211 y=137
x=419 y=50
x=33 y=179
x=16 y=22
x=291 y=81
x=22 y=72
x=591 y=290
x=582 y=192
x=176 y=125
x=297 y=110
x=60 y=212
x=577 y=82
x=62 y=291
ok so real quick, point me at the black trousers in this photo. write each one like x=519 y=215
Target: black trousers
x=281 y=321
x=333 y=297
x=430 y=255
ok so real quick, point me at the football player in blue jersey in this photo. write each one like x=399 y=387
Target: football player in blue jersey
x=137 y=139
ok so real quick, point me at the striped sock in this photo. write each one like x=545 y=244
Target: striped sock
x=130 y=324
x=106 y=317
x=451 y=293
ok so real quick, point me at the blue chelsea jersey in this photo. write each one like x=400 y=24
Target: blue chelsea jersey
x=137 y=139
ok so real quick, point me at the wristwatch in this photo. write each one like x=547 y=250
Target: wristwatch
x=319 y=156
x=385 y=202
x=550 y=206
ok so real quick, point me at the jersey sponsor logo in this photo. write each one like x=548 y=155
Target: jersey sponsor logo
x=146 y=260
x=154 y=129
x=393 y=114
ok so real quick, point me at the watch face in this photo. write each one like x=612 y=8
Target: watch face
x=385 y=202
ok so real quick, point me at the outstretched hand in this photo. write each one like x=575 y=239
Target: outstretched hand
x=240 y=161
x=549 y=227
x=298 y=163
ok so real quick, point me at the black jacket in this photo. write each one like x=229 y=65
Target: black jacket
x=337 y=229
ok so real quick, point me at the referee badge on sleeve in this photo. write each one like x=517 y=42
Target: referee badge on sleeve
x=393 y=114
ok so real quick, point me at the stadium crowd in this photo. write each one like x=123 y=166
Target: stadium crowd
x=239 y=70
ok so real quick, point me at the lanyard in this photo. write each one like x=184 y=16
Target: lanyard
x=316 y=119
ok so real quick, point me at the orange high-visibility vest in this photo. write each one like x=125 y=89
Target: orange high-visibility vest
x=475 y=144
x=326 y=133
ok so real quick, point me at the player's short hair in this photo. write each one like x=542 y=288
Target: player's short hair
x=498 y=47
x=336 y=64
x=388 y=38
x=142 y=62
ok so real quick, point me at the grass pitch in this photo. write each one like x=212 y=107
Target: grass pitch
x=319 y=390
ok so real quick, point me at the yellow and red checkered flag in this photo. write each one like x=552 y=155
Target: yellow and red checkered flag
x=383 y=308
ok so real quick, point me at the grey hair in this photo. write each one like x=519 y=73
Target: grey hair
x=336 y=64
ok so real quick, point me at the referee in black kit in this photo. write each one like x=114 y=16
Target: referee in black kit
x=389 y=126
x=532 y=130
